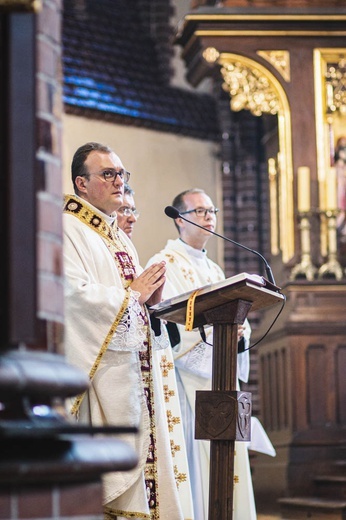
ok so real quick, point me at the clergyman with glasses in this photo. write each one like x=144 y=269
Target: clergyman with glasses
x=188 y=268
x=127 y=216
x=127 y=213
x=108 y=335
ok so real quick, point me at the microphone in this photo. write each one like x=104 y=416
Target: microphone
x=172 y=212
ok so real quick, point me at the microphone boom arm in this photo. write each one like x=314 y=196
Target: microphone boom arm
x=174 y=213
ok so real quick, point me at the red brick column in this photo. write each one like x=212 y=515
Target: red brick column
x=49 y=154
x=46 y=469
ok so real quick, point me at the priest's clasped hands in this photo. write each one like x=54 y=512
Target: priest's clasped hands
x=150 y=284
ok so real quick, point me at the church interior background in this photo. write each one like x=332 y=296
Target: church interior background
x=246 y=99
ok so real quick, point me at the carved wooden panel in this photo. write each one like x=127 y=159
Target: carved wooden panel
x=316 y=381
x=223 y=415
x=340 y=384
x=273 y=367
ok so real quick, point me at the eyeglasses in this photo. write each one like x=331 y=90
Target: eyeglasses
x=201 y=212
x=125 y=211
x=111 y=175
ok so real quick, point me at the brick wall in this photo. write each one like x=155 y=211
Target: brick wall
x=36 y=502
x=49 y=173
x=246 y=208
x=37 y=483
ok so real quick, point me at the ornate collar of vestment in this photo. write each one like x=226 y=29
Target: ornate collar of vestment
x=97 y=221
x=88 y=215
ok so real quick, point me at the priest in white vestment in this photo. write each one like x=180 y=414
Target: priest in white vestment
x=127 y=215
x=188 y=267
x=107 y=334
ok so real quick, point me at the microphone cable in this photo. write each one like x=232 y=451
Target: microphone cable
x=204 y=337
x=270 y=327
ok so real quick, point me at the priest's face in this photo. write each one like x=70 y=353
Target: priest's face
x=127 y=215
x=193 y=235
x=106 y=195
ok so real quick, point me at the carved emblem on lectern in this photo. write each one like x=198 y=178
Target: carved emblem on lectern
x=219 y=414
x=223 y=415
x=244 y=414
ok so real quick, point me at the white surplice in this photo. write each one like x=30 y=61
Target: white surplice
x=188 y=269
x=102 y=315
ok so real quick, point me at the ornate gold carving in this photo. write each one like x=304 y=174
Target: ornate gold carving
x=265 y=17
x=280 y=61
x=273 y=196
x=335 y=78
x=21 y=5
x=210 y=54
x=330 y=111
x=249 y=88
x=262 y=92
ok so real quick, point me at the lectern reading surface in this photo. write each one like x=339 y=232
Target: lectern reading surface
x=252 y=288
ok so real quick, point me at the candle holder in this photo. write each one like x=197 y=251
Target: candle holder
x=331 y=268
x=305 y=269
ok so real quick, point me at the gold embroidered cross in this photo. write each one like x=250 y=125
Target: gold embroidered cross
x=179 y=477
x=174 y=448
x=167 y=393
x=172 y=421
x=165 y=366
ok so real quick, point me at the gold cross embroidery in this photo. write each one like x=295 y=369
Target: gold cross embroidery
x=167 y=393
x=172 y=421
x=165 y=366
x=179 y=477
x=174 y=448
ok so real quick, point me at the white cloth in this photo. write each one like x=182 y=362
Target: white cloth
x=165 y=363
x=98 y=272
x=259 y=439
x=188 y=269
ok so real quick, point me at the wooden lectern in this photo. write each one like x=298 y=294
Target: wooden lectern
x=222 y=414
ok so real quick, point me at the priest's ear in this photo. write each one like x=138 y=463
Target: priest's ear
x=179 y=222
x=80 y=184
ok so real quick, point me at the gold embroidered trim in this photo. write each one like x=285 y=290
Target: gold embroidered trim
x=110 y=514
x=74 y=206
x=151 y=470
x=190 y=311
x=80 y=397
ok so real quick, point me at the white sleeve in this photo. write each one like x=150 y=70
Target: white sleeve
x=243 y=359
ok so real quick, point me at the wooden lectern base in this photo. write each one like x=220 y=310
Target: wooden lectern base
x=223 y=415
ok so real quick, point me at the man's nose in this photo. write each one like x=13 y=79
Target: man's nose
x=118 y=181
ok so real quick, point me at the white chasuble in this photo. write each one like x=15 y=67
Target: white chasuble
x=188 y=269
x=107 y=335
